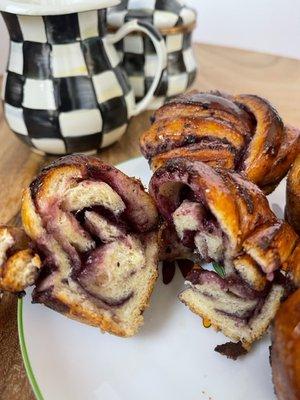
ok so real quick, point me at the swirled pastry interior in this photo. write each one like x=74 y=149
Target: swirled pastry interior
x=223 y=218
x=96 y=230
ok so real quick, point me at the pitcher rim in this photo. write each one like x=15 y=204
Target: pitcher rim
x=54 y=7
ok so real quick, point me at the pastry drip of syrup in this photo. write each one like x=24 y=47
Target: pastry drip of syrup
x=206 y=322
x=169 y=269
x=185 y=267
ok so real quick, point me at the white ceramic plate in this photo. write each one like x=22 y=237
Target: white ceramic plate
x=172 y=357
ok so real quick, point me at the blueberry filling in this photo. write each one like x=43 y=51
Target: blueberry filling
x=232 y=288
x=84 y=264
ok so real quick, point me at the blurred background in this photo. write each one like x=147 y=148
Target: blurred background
x=271 y=26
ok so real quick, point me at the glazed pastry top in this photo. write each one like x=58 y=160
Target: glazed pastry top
x=242 y=133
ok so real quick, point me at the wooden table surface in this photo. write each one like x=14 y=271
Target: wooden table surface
x=232 y=70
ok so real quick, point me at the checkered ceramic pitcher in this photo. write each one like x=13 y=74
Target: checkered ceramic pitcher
x=65 y=90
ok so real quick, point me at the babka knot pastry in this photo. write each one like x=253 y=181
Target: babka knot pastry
x=221 y=217
x=285 y=350
x=292 y=209
x=96 y=231
x=242 y=133
x=19 y=265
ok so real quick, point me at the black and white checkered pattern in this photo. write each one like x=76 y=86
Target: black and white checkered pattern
x=63 y=81
x=140 y=60
x=138 y=54
x=160 y=13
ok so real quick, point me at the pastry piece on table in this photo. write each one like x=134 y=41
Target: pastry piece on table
x=285 y=350
x=242 y=133
x=292 y=210
x=222 y=217
x=19 y=265
x=96 y=230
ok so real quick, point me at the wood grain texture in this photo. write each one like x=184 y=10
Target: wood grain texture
x=236 y=71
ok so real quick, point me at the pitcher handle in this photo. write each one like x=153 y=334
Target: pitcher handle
x=160 y=48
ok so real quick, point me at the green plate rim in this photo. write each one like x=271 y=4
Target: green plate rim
x=29 y=371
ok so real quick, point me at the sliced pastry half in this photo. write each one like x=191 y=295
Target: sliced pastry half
x=96 y=232
x=225 y=219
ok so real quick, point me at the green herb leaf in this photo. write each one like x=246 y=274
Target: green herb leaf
x=220 y=270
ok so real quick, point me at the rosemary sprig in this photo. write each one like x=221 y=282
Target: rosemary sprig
x=220 y=270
